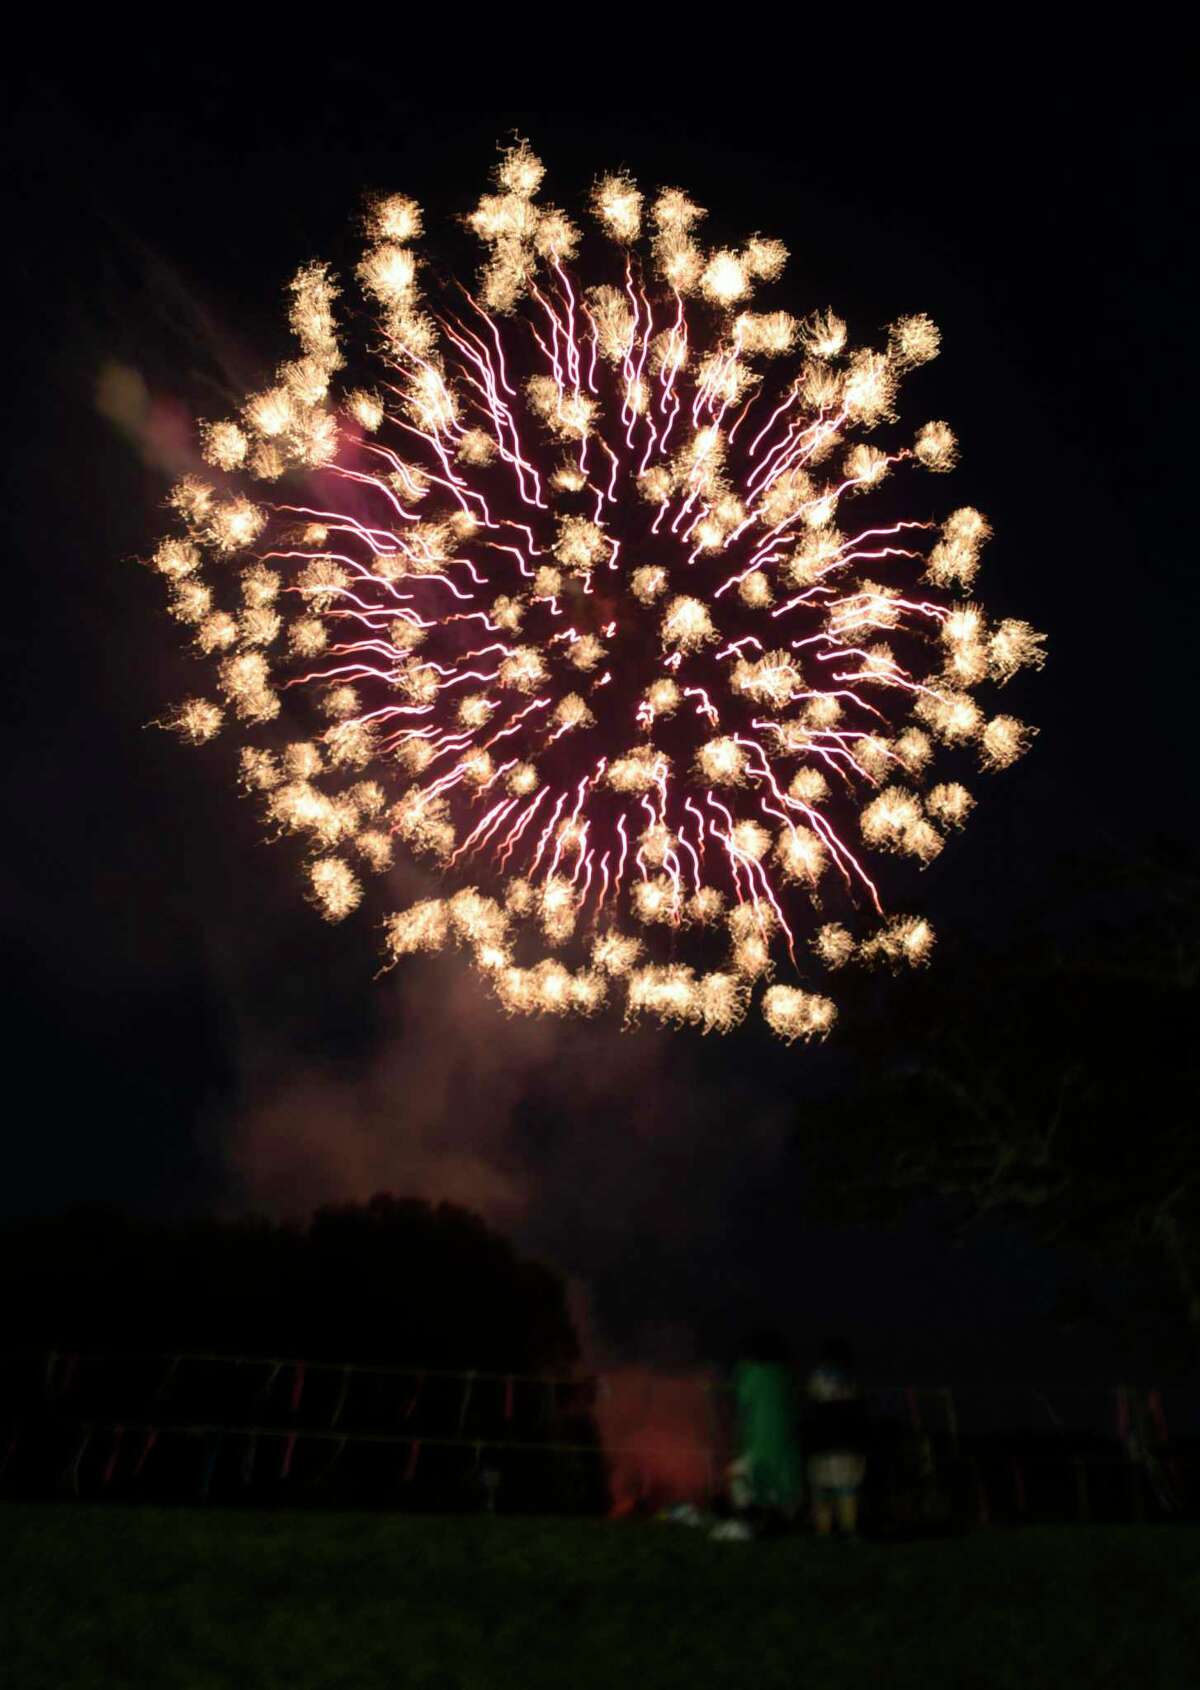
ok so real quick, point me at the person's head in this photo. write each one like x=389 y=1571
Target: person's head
x=836 y=1355
x=765 y=1345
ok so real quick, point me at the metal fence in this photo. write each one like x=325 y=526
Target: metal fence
x=218 y=1426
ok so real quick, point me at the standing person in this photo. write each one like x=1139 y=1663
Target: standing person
x=768 y=1475
x=834 y=1437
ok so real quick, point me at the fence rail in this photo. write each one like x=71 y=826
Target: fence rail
x=102 y=1414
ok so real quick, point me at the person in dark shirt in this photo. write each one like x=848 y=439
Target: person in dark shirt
x=834 y=1439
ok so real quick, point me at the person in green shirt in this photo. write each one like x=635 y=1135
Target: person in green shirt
x=768 y=1476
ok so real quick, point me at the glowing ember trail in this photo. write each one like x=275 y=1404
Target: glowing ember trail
x=583 y=592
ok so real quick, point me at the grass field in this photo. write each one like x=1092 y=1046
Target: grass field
x=158 y=1597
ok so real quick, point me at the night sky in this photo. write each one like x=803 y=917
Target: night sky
x=186 y=1036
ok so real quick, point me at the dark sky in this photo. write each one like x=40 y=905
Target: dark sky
x=184 y=1035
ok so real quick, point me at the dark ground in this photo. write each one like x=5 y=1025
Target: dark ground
x=150 y=1597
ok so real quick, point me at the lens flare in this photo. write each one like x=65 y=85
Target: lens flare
x=573 y=579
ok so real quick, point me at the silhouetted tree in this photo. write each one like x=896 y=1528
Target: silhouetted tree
x=394 y=1280
x=1055 y=1080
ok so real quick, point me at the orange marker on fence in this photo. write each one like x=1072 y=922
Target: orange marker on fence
x=110 y=1464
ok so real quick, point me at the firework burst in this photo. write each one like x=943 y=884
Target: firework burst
x=583 y=593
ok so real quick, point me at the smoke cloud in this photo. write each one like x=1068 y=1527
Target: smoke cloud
x=605 y=1154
